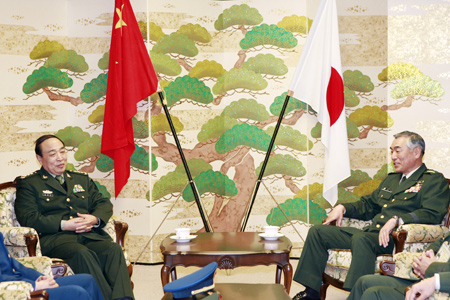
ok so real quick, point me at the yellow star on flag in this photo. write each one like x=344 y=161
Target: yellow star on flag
x=120 y=23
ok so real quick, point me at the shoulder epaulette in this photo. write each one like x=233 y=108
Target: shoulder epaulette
x=77 y=172
x=25 y=176
x=431 y=171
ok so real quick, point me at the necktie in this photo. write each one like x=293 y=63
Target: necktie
x=60 y=179
x=403 y=179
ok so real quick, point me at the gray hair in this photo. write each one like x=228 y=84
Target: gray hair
x=413 y=140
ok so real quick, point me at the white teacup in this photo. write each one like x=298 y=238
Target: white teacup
x=183 y=232
x=271 y=230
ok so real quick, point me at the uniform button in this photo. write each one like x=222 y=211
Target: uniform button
x=68 y=199
x=71 y=217
x=393 y=200
x=70 y=207
x=405 y=198
x=47 y=200
x=82 y=196
x=382 y=195
x=378 y=225
x=385 y=205
x=382 y=217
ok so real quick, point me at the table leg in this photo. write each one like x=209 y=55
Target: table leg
x=174 y=274
x=165 y=271
x=287 y=270
x=278 y=274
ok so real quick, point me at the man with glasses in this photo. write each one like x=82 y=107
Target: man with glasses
x=68 y=211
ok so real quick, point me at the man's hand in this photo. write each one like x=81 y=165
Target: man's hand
x=422 y=290
x=335 y=215
x=45 y=282
x=384 y=234
x=421 y=263
x=83 y=223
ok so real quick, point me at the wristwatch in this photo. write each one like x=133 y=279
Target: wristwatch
x=396 y=220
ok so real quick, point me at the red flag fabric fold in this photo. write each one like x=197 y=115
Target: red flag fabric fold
x=131 y=78
x=318 y=82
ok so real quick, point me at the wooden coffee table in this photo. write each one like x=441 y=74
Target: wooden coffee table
x=229 y=250
x=245 y=291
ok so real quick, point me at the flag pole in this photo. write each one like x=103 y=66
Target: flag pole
x=206 y=224
x=266 y=160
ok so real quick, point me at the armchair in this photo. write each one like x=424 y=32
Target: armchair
x=24 y=241
x=411 y=238
x=400 y=266
x=21 y=290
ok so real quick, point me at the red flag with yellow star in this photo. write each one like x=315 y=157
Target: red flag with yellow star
x=131 y=78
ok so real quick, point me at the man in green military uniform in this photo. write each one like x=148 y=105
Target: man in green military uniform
x=435 y=275
x=68 y=212
x=422 y=196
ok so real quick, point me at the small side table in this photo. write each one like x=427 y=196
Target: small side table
x=229 y=250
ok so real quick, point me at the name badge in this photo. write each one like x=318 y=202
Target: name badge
x=47 y=193
x=385 y=189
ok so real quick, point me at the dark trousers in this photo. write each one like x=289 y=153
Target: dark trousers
x=378 y=287
x=104 y=260
x=313 y=260
x=76 y=287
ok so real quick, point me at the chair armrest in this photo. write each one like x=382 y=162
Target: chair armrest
x=25 y=237
x=42 y=264
x=117 y=228
x=350 y=222
x=39 y=295
x=399 y=237
x=121 y=228
x=31 y=240
x=387 y=267
x=417 y=233
x=403 y=265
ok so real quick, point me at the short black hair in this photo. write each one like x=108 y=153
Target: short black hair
x=40 y=140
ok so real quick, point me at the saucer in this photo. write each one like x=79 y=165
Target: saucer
x=184 y=239
x=271 y=237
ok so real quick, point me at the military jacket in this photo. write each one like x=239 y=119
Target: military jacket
x=42 y=202
x=422 y=198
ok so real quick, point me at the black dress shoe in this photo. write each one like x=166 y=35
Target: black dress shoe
x=303 y=295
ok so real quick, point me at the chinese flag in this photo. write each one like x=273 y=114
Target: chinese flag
x=131 y=78
x=318 y=82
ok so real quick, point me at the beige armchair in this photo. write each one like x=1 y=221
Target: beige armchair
x=410 y=238
x=22 y=290
x=401 y=266
x=24 y=241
